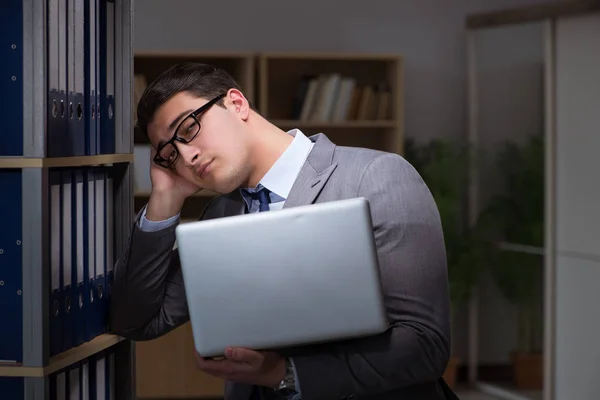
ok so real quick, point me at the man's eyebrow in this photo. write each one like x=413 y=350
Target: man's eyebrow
x=176 y=120
x=173 y=125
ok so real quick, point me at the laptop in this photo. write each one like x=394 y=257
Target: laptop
x=291 y=277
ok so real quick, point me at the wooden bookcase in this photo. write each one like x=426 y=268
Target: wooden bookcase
x=273 y=82
x=239 y=65
x=284 y=88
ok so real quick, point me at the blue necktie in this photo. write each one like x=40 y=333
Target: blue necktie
x=263 y=198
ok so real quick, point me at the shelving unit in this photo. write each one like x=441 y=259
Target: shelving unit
x=239 y=65
x=33 y=253
x=375 y=120
x=271 y=81
x=65 y=359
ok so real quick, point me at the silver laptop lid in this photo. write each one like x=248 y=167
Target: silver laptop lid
x=282 y=278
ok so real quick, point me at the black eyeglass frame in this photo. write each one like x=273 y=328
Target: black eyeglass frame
x=162 y=162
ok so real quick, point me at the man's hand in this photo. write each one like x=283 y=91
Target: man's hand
x=245 y=366
x=169 y=191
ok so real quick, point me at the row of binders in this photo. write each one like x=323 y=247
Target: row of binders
x=92 y=378
x=80 y=67
x=80 y=254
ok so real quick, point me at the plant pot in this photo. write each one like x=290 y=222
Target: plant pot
x=451 y=370
x=528 y=370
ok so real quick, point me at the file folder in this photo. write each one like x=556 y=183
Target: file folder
x=57 y=144
x=85 y=380
x=99 y=376
x=79 y=66
x=79 y=306
x=11 y=78
x=67 y=239
x=75 y=74
x=98 y=65
x=12 y=387
x=111 y=373
x=89 y=222
x=11 y=270
x=107 y=76
x=74 y=382
x=91 y=92
x=110 y=234
x=55 y=240
x=58 y=386
x=100 y=249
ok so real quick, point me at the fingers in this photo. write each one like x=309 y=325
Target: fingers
x=238 y=362
x=245 y=366
x=220 y=368
x=247 y=356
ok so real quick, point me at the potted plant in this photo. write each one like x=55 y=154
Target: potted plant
x=517 y=215
x=444 y=166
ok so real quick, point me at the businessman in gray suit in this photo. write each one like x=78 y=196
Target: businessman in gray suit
x=206 y=135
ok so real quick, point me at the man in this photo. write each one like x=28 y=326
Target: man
x=206 y=135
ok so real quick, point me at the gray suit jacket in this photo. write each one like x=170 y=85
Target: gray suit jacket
x=406 y=362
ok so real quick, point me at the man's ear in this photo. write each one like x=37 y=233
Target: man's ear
x=238 y=103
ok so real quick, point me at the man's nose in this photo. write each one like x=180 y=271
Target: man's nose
x=189 y=153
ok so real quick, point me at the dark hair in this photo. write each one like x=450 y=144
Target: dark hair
x=201 y=80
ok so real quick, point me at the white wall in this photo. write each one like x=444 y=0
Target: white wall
x=577 y=209
x=428 y=33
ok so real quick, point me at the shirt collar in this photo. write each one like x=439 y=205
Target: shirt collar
x=281 y=176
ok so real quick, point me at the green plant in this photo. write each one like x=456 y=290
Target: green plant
x=516 y=216
x=444 y=166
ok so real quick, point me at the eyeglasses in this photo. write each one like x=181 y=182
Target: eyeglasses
x=186 y=131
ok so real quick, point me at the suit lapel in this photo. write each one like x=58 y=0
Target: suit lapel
x=313 y=176
x=314 y=173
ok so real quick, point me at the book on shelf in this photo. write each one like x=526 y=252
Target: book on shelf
x=336 y=98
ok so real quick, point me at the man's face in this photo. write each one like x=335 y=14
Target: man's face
x=217 y=158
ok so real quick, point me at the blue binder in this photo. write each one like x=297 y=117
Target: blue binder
x=80 y=50
x=57 y=143
x=11 y=260
x=100 y=249
x=109 y=212
x=111 y=370
x=102 y=375
x=79 y=264
x=11 y=78
x=85 y=379
x=67 y=250
x=91 y=80
x=107 y=76
x=54 y=254
x=89 y=222
x=58 y=385
x=73 y=382
x=75 y=74
x=12 y=388
x=98 y=64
